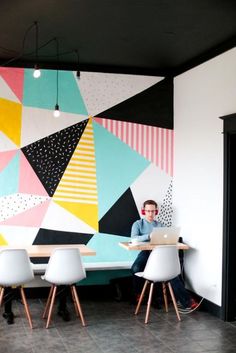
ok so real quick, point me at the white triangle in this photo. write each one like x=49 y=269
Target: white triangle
x=19 y=236
x=14 y=204
x=6 y=144
x=101 y=91
x=58 y=218
x=6 y=92
x=152 y=184
x=39 y=123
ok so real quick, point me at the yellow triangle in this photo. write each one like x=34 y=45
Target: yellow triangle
x=3 y=240
x=86 y=212
x=10 y=119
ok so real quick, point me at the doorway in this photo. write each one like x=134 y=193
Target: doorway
x=229 y=220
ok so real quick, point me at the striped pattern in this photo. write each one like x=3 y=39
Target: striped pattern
x=155 y=144
x=78 y=183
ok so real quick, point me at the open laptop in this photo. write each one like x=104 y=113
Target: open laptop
x=164 y=236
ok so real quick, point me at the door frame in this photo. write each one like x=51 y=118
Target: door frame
x=229 y=240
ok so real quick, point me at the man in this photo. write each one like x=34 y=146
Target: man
x=141 y=230
x=9 y=295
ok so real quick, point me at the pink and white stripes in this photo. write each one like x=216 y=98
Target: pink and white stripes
x=154 y=143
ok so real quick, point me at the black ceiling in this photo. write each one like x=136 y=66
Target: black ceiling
x=153 y=37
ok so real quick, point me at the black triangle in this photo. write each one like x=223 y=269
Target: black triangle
x=120 y=217
x=153 y=106
x=51 y=236
x=50 y=156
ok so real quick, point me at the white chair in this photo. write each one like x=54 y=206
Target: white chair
x=162 y=266
x=15 y=271
x=64 y=268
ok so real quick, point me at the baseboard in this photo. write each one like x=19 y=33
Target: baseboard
x=208 y=306
x=212 y=308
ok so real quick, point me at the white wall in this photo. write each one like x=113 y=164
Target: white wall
x=202 y=95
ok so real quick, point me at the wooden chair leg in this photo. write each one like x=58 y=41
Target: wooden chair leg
x=1 y=295
x=165 y=296
x=74 y=301
x=45 y=313
x=141 y=298
x=51 y=305
x=26 y=306
x=174 y=301
x=78 y=304
x=149 y=303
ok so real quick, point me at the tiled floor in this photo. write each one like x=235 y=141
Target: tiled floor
x=112 y=327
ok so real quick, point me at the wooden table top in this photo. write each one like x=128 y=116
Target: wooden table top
x=148 y=246
x=46 y=250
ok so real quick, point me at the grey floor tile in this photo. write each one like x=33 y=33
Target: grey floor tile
x=113 y=327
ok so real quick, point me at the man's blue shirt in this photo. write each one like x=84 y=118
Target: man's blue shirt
x=141 y=229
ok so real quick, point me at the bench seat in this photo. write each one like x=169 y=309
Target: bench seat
x=91 y=266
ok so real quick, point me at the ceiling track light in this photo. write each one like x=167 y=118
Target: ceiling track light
x=56 y=112
x=37 y=72
x=34 y=54
x=78 y=71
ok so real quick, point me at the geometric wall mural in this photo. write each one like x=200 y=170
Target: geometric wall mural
x=166 y=210
x=155 y=144
x=117 y=167
x=82 y=179
x=128 y=213
x=49 y=156
x=48 y=236
x=77 y=189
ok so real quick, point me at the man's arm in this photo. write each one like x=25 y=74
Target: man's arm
x=137 y=233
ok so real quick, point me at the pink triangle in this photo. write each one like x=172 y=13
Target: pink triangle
x=5 y=158
x=15 y=79
x=28 y=180
x=98 y=120
x=30 y=218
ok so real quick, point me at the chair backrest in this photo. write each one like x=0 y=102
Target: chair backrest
x=15 y=267
x=65 y=266
x=163 y=264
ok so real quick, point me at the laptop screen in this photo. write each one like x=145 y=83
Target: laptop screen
x=165 y=235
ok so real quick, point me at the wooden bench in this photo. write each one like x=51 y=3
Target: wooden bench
x=39 y=269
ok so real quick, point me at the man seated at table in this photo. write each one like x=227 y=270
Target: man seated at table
x=141 y=230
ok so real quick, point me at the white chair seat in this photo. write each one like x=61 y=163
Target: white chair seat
x=162 y=266
x=65 y=267
x=15 y=270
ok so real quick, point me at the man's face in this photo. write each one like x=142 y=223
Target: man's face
x=150 y=211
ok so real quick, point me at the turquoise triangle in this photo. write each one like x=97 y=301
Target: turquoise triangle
x=9 y=177
x=112 y=252
x=117 y=167
x=41 y=92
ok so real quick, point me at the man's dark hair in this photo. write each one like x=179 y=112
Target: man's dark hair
x=150 y=202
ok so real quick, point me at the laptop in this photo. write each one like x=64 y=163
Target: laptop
x=165 y=236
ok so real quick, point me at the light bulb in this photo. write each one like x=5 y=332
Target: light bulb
x=56 y=112
x=37 y=72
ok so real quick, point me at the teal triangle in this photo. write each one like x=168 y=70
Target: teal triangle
x=112 y=252
x=9 y=177
x=117 y=167
x=41 y=92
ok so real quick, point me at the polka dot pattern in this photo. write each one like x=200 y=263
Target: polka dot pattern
x=101 y=91
x=166 y=210
x=11 y=205
x=49 y=156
